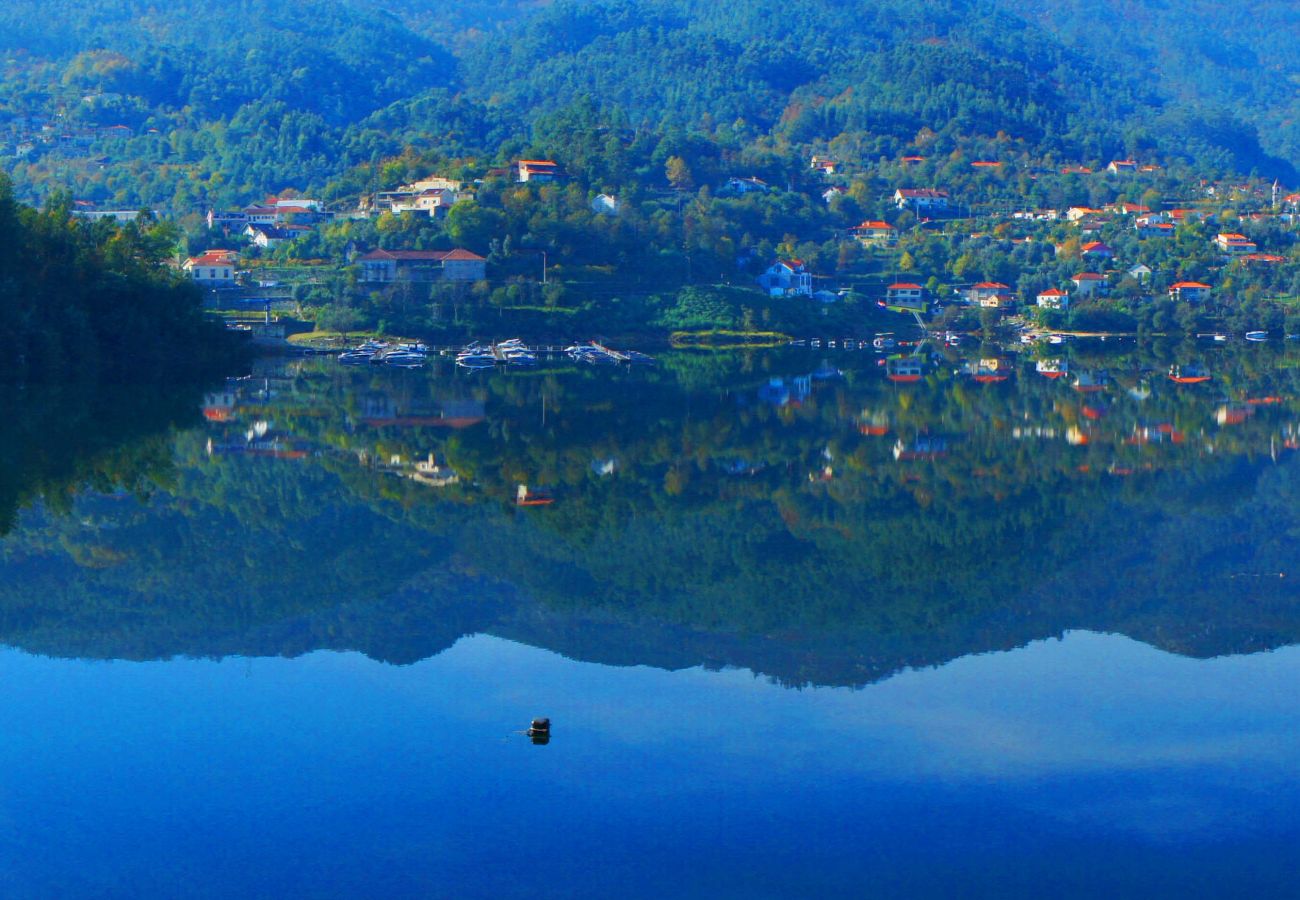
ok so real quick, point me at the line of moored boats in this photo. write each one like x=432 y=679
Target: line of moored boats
x=413 y=355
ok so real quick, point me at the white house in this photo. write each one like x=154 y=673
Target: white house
x=1230 y=242
x=605 y=205
x=215 y=268
x=1053 y=299
x=921 y=199
x=976 y=294
x=906 y=295
x=1088 y=283
x=787 y=276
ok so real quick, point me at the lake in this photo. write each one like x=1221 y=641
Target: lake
x=806 y=623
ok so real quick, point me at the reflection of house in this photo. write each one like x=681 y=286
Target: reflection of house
x=428 y=471
x=384 y=266
x=786 y=391
x=380 y=410
x=219 y=406
x=786 y=276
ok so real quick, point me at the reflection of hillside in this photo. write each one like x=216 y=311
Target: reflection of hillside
x=699 y=518
x=59 y=440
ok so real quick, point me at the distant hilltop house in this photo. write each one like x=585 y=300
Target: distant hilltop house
x=1130 y=209
x=1235 y=244
x=431 y=196
x=387 y=266
x=785 y=277
x=921 y=199
x=273 y=213
x=1153 y=226
x=875 y=234
x=270 y=236
x=213 y=268
x=605 y=205
x=121 y=216
x=834 y=191
x=1189 y=291
x=539 y=170
x=748 y=185
x=1053 y=299
x=825 y=164
x=1122 y=167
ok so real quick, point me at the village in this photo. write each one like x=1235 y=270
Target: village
x=1207 y=249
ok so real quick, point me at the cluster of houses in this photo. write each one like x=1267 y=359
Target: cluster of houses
x=271 y=223
x=23 y=136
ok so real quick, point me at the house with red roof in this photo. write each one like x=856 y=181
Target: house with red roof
x=875 y=234
x=540 y=170
x=977 y=293
x=1122 y=167
x=1088 y=283
x=1234 y=244
x=1053 y=299
x=1153 y=226
x=1189 y=291
x=386 y=266
x=213 y=268
x=905 y=295
x=1096 y=250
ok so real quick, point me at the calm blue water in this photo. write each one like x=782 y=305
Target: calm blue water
x=801 y=631
x=1087 y=766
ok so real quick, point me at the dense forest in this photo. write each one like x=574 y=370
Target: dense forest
x=87 y=301
x=233 y=101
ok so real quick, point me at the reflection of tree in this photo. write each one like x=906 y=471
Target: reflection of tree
x=64 y=440
x=708 y=529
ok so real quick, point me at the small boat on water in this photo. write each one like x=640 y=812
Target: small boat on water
x=405 y=359
x=884 y=342
x=355 y=357
x=1257 y=336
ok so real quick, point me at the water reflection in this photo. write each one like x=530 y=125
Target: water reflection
x=823 y=519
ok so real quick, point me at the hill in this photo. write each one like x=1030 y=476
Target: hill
x=225 y=101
